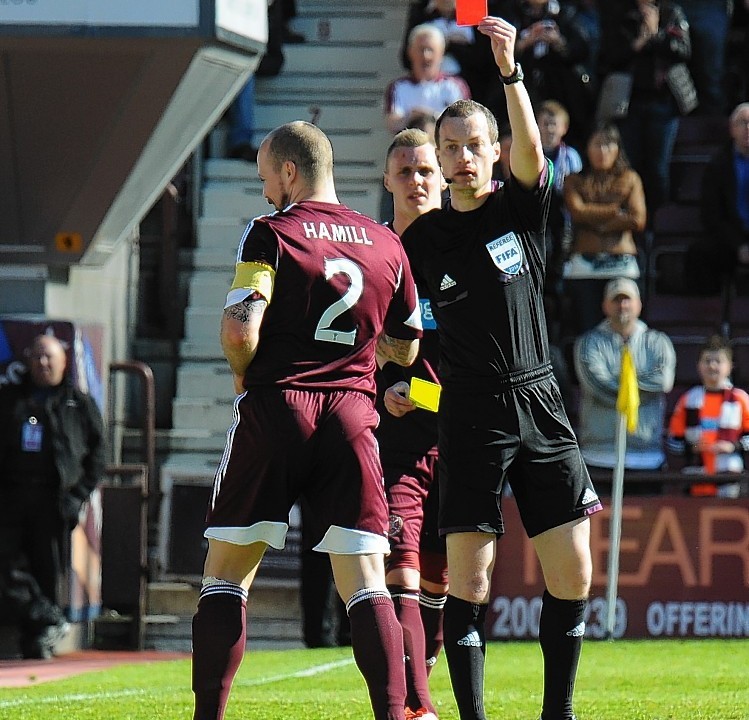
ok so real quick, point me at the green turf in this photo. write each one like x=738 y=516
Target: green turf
x=648 y=680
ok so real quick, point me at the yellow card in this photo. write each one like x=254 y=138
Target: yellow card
x=424 y=394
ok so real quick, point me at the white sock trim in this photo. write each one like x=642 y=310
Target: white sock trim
x=433 y=603
x=363 y=595
x=216 y=586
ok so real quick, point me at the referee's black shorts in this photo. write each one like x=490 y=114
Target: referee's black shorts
x=520 y=435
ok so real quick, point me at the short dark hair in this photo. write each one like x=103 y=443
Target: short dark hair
x=304 y=144
x=464 y=109
x=410 y=138
x=717 y=343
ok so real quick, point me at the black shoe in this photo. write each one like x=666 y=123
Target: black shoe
x=244 y=152
x=289 y=37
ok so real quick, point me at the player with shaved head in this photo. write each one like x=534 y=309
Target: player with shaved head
x=319 y=289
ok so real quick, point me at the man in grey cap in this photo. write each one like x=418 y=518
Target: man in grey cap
x=598 y=355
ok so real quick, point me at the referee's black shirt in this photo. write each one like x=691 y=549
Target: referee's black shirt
x=483 y=272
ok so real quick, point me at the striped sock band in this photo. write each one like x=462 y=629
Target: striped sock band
x=214 y=586
x=432 y=602
x=365 y=594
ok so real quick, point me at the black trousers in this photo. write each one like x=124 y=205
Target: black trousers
x=30 y=534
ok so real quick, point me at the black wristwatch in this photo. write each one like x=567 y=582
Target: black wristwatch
x=516 y=75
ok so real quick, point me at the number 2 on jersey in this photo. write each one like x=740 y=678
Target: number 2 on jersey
x=340 y=266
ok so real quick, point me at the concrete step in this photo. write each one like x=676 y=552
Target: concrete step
x=214 y=258
x=203 y=324
x=339 y=61
x=342 y=115
x=261 y=635
x=319 y=88
x=194 y=440
x=243 y=176
x=227 y=203
x=223 y=233
x=208 y=413
x=212 y=379
x=172 y=598
x=241 y=206
x=208 y=288
x=178 y=440
x=329 y=6
x=270 y=600
x=199 y=352
x=353 y=25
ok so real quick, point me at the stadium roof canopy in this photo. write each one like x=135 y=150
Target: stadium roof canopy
x=101 y=103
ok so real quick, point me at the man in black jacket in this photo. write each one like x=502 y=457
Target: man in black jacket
x=51 y=458
x=724 y=248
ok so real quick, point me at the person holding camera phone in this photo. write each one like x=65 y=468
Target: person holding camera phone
x=553 y=48
x=649 y=39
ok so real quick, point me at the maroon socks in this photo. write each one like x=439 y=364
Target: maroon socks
x=219 y=634
x=377 y=643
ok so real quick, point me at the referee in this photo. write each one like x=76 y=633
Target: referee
x=480 y=261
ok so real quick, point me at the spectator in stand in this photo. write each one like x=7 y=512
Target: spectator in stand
x=553 y=123
x=588 y=19
x=737 y=55
x=242 y=124
x=467 y=51
x=554 y=51
x=427 y=88
x=598 y=355
x=241 y=115
x=714 y=260
x=288 y=13
x=709 y=428
x=606 y=204
x=709 y=21
x=411 y=100
x=646 y=38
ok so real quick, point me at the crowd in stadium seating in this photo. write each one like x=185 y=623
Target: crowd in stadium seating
x=654 y=189
x=632 y=207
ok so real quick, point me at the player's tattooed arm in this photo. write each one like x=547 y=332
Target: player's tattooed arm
x=402 y=352
x=240 y=331
x=254 y=304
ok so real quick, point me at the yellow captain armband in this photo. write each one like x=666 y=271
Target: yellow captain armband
x=251 y=277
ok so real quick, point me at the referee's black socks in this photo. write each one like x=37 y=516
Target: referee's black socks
x=465 y=649
x=560 y=633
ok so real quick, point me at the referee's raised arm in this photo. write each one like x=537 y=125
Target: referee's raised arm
x=526 y=153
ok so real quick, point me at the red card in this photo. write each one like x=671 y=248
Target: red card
x=470 y=12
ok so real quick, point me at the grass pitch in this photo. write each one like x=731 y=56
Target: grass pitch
x=645 y=680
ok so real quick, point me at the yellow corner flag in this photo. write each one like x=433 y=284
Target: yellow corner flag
x=628 y=399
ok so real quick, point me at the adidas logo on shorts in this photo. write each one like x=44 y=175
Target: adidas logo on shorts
x=471 y=640
x=447 y=282
x=588 y=497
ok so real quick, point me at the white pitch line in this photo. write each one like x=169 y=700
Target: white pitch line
x=78 y=697
x=309 y=672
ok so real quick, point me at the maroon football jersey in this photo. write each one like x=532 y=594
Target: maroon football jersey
x=341 y=278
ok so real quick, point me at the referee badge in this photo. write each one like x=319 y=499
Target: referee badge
x=506 y=253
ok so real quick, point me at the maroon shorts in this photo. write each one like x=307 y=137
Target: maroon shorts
x=291 y=444
x=407 y=486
